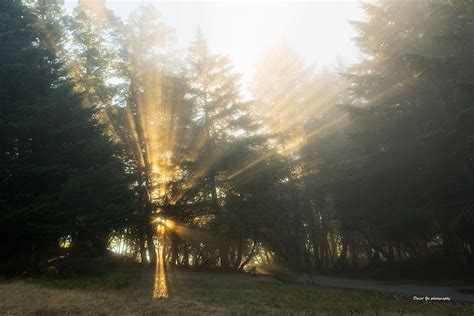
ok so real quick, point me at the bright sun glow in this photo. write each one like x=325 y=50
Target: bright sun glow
x=160 y=288
x=319 y=30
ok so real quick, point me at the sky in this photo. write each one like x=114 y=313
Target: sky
x=318 y=30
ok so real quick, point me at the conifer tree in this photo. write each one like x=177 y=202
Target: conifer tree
x=412 y=101
x=59 y=173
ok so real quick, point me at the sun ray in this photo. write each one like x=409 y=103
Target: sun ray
x=160 y=287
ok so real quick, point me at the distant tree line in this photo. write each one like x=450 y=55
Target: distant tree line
x=108 y=132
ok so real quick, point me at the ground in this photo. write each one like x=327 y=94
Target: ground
x=455 y=292
x=201 y=293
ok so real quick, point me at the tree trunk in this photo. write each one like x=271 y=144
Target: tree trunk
x=298 y=227
x=185 y=255
x=238 y=258
x=343 y=255
x=250 y=255
x=174 y=249
x=354 y=253
x=223 y=245
x=150 y=243
x=142 y=239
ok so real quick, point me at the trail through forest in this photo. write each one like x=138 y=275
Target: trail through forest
x=420 y=291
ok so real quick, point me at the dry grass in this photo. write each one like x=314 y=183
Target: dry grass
x=201 y=293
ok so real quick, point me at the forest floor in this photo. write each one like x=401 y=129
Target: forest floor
x=202 y=293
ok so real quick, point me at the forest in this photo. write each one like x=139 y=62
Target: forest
x=113 y=142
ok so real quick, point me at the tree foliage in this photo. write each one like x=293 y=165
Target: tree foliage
x=107 y=132
x=60 y=176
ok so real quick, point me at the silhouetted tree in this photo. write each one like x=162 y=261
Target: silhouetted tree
x=59 y=174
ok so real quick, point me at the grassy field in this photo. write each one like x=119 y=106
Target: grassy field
x=201 y=293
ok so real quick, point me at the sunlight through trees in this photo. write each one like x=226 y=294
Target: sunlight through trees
x=114 y=140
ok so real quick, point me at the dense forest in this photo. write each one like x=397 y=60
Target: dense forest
x=112 y=140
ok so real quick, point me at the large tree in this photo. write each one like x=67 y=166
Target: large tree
x=220 y=130
x=59 y=175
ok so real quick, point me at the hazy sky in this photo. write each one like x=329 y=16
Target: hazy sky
x=319 y=31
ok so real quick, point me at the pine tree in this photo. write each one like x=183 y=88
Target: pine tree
x=221 y=130
x=412 y=99
x=59 y=174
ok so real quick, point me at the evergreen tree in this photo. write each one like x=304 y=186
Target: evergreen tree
x=412 y=101
x=59 y=174
x=221 y=130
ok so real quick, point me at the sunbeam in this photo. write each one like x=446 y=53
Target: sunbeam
x=160 y=286
x=178 y=155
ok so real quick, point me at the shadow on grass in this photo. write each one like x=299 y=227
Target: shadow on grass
x=86 y=283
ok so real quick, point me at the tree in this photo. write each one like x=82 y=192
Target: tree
x=59 y=173
x=298 y=107
x=411 y=102
x=221 y=129
x=91 y=57
x=145 y=121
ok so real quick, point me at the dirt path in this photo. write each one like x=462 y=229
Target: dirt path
x=422 y=292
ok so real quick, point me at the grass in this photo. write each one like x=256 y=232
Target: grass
x=87 y=283
x=201 y=293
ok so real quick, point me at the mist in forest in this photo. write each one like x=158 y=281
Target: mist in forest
x=266 y=138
